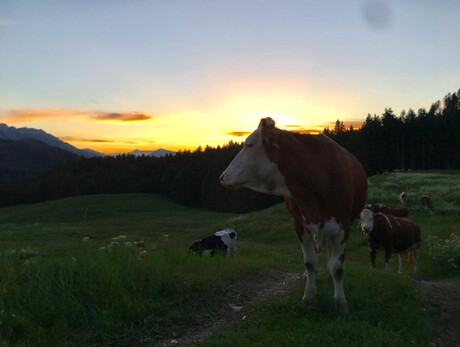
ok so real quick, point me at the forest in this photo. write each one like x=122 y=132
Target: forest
x=422 y=140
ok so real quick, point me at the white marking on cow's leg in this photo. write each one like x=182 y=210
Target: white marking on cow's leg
x=336 y=269
x=336 y=266
x=387 y=265
x=310 y=260
x=400 y=263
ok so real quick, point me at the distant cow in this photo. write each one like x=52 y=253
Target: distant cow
x=324 y=187
x=392 y=234
x=426 y=201
x=224 y=241
x=396 y=212
x=403 y=198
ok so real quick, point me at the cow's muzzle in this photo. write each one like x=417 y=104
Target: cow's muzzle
x=228 y=185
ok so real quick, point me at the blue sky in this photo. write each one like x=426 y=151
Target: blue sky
x=197 y=71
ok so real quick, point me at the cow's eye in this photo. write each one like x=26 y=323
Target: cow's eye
x=249 y=145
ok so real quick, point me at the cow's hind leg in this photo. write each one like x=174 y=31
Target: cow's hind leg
x=310 y=260
x=400 y=263
x=336 y=269
x=415 y=249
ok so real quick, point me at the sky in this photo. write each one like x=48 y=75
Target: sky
x=115 y=76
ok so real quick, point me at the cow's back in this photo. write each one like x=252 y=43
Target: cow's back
x=320 y=172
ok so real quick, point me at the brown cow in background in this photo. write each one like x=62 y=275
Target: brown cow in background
x=392 y=234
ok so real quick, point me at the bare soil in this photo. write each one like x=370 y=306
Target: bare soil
x=244 y=295
x=444 y=305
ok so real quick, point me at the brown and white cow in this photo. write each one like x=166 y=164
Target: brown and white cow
x=392 y=234
x=324 y=186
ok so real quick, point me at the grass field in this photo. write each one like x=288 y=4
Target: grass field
x=61 y=282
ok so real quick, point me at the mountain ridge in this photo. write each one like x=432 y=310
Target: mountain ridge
x=13 y=134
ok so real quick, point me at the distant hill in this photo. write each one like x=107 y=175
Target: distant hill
x=157 y=154
x=12 y=133
x=25 y=158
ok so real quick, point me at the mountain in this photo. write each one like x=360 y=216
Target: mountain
x=158 y=153
x=137 y=153
x=12 y=133
x=25 y=158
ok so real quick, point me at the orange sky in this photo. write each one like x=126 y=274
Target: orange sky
x=123 y=75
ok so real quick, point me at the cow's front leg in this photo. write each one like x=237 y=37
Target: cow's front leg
x=387 y=258
x=415 y=250
x=310 y=260
x=336 y=269
x=373 y=254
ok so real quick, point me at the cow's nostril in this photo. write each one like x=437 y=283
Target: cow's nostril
x=221 y=178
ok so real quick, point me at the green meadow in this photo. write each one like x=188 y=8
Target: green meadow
x=65 y=281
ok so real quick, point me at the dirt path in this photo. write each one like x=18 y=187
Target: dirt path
x=443 y=299
x=444 y=305
x=243 y=296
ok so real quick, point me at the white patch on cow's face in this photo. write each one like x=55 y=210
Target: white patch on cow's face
x=252 y=169
x=366 y=221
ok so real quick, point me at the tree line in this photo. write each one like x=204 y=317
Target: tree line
x=418 y=141
x=422 y=140
x=188 y=178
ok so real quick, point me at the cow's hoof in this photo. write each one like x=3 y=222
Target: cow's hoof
x=341 y=306
x=308 y=297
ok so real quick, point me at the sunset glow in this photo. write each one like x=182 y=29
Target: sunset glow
x=178 y=75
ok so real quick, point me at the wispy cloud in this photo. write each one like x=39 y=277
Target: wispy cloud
x=35 y=115
x=124 y=117
x=239 y=133
x=101 y=141
x=6 y=22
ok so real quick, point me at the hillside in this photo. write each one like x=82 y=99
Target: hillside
x=88 y=293
x=25 y=158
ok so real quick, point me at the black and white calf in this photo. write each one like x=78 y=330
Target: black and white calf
x=222 y=241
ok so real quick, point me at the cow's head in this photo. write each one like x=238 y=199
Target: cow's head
x=366 y=221
x=252 y=168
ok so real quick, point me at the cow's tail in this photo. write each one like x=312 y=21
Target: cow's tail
x=410 y=257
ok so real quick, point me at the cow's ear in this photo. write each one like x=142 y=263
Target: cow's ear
x=267 y=126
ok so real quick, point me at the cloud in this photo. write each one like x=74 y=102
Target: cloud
x=80 y=139
x=6 y=22
x=239 y=133
x=35 y=115
x=124 y=117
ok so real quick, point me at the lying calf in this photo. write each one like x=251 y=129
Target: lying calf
x=393 y=234
x=222 y=241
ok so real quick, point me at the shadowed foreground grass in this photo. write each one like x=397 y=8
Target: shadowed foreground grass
x=56 y=289
x=121 y=296
x=384 y=311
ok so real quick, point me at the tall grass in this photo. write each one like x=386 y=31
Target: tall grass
x=57 y=289
x=117 y=296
